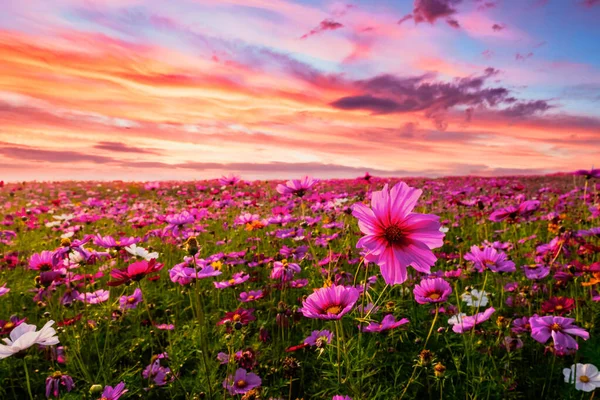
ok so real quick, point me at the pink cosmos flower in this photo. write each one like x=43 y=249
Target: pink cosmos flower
x=4 y=290
x=96 y=297
x=330 y=302
x=432 y=291
x=489 y=258
x=297 y=186
x=395 y=236
x=115 y=393
x=284 y=271
x=41 y=261
x=251 y=296
x=241 y=382
x=464 y=323
x=560 y=329
x=131 y=301
x=237 y=278
x=388 y=322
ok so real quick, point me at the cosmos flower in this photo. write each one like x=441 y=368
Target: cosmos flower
x=251 y=296
x=184 y=274
x=108 y=242
x=157 y=373
x=6 y=327
x=331 y=302
x=115 y=393
x=560 y=329
x=230 y=179
x=465 y=323
x=395 y=237
x=134 y=272
x=475 y=298
x=592 y=173
x=489 y=258
x=297 y=187
x=96 y=297
x=241 y=382
x=558 y=305
x=319 y=338
x=176 y=222
x=284 y=271
x=236 y=279
x=4 y=290
x=55 y=381
x=536 y=271
x=388 y=322
x=141 y=252
x=25 y=335
x=241 y=315
x=41 y=261
x=432 y=291
x=521 y=325
x=585 y=376
x=131 y=302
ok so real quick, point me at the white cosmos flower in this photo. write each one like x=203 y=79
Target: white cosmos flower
x=475 y=298
x=456 y=319
x=25 y=335
x=585 y=376
x=141 y=252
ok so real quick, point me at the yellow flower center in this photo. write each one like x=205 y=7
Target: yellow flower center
x=333 y=310
x=584 y=379
x=217 y=265
x=555 y=327
x=9 y=325
x=232 y=281
x=241 y=383
x=434 y=296
x=131 y=300
x=250 y=297
x=236 y=317
x=558 y=307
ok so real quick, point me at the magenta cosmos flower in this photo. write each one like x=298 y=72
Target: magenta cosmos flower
x=297 y=186
x=134 y=272
x=464 y=323
x=241 y=382
x=560 y=329
x=489 y=258
x=115 y=393
x=395 y=236
x=41 y=261
x=131 y=301
x=388 y=322
x=434 y=290
x=330 y=302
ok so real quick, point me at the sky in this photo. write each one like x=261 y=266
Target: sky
x=194 y=89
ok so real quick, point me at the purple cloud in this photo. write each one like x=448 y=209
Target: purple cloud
x=325 y=25
x=122 y=148
x=404 y=19
x=523 y=57
x=526 y=108
x=431 y=10
x=453 y=23
x=390 y=94
x=498 y=27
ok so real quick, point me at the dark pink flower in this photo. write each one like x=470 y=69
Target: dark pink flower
x=432 y=291
x=395 y=236
x=330 y=302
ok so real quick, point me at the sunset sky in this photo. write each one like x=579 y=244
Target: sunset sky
x=193 y=89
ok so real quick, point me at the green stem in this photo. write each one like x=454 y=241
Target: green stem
x=27 y=379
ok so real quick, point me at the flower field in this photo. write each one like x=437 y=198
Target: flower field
x=372 y=288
